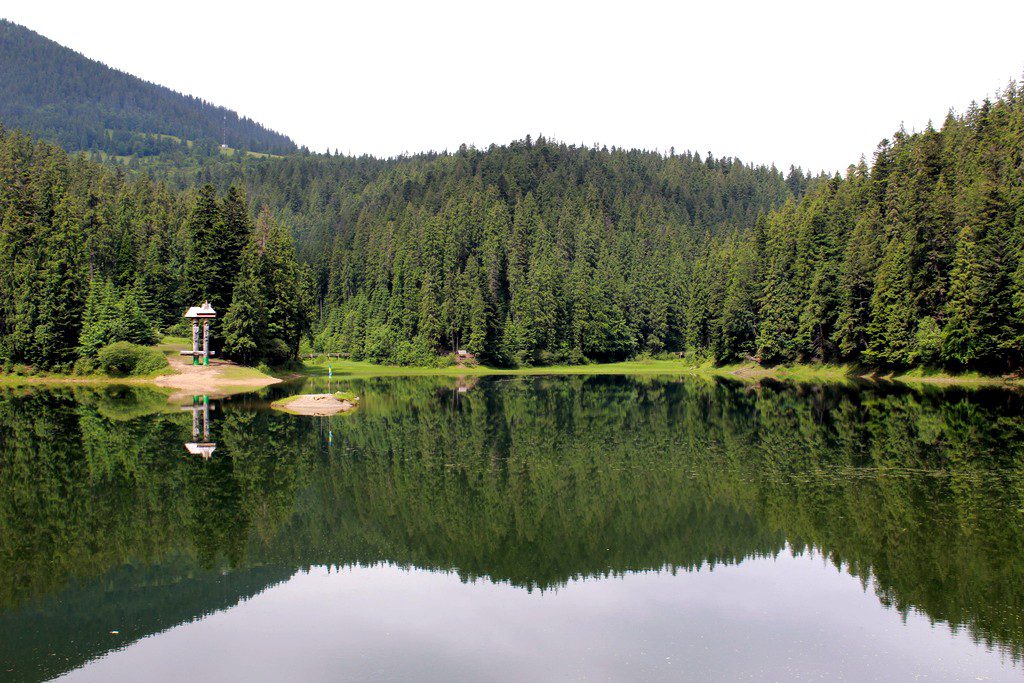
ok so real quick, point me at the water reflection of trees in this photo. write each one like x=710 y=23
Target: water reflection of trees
x=534 y=481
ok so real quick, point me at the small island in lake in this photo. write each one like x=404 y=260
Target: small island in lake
x=318 y=405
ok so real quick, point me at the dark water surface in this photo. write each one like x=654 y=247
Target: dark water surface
x=544 y=528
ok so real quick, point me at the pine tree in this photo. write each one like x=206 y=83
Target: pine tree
x=856 y=287
x=963 y=343
x=201 y=267
x=230 y=232
x=781 y=296
x=892 y=326
x=61 y=287
x=479 y=341
x=739 y=312
x=99 y=318
x=269 y=316
x=131 y=323
x=245 y=324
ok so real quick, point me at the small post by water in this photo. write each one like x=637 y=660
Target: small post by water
x=206 y=314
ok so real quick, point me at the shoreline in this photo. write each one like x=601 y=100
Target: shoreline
x=798 y=373
x=223 y=378
x=180 y=379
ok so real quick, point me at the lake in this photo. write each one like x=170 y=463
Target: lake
x=514 y=528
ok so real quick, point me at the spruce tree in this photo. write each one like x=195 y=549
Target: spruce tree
x=892 y=326
x=245 y=324
x=963 y=341
x=201 y=267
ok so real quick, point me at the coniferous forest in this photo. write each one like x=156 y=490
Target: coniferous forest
x=92 y=257
x=530 y=253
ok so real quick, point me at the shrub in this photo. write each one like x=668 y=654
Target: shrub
x=276 y=352
x=124 y=358
x=182 y=328
x=86 y=365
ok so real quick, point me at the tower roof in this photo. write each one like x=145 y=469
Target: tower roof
x=204 y=311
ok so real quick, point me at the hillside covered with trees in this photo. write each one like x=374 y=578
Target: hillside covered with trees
x=529 y=253
x=540 y=252
x=916 y=260
x=89 y=257
x=81 y=104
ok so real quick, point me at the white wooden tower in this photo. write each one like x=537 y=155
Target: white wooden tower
x=206 y=314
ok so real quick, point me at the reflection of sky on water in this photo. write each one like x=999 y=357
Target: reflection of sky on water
x=761 y=619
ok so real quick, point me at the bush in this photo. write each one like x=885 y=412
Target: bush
x=124 y=358
x=276 y=352
x=182 y=328
x=86 y=365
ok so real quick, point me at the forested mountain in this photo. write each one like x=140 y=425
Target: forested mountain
x=526 y=253
x=538 y=252
x=81 y=104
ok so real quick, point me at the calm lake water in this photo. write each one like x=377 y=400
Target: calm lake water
x=545 y=528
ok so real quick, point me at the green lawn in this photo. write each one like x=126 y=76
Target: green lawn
x=797 y=372
x=318 y=367
x=240 y=372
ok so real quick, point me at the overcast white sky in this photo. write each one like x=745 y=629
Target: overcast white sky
x=812 y=83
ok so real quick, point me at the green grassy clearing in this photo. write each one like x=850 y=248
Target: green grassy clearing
x=799 y=372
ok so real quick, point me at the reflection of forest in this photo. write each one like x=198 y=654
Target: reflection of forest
x=533 y=481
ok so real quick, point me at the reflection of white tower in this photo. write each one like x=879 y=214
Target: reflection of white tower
x=200 y=422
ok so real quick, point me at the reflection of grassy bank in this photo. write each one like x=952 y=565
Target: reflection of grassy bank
x=15 y=380
x=797 y=372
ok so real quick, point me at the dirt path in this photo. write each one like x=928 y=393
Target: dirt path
x=220 y=377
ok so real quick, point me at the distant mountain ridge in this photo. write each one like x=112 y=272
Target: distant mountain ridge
x=61 y=95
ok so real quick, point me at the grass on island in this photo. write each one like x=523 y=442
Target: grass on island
x=286 y=405
x=929 y=376
x=282 y=402
x=339 y=395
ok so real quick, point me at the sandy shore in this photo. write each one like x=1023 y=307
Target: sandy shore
x=220 y=377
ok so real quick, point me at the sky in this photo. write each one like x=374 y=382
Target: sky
x=814 y=84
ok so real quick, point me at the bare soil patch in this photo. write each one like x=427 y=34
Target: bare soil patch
x=317 y=405
x=220 y=377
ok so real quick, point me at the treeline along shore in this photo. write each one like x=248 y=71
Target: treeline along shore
x=529 y=254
